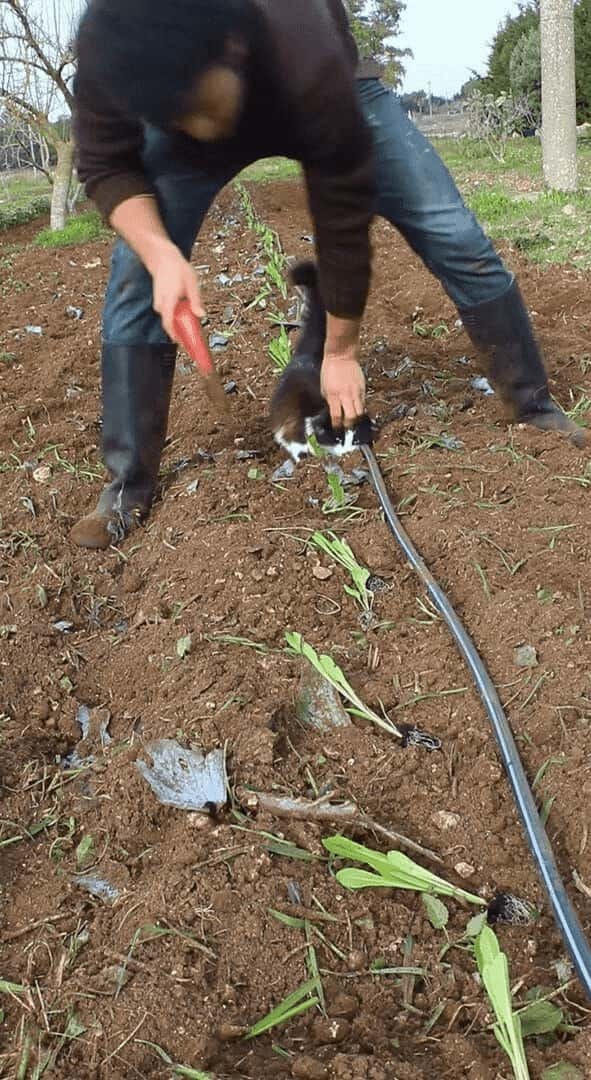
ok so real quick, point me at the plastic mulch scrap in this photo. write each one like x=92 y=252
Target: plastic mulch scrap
x=185 y=778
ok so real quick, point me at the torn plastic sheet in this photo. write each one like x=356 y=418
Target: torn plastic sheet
x=185 y=778
x=94 y=728
x=97 y=886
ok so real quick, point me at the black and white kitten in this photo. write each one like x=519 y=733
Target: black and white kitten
x=298 y=409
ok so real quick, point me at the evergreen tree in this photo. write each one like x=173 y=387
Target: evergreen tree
x=375 y=23
x=583 y=57
x=525 y=70
x=498 y=79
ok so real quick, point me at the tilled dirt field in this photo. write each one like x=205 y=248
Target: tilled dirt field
x=188 y=955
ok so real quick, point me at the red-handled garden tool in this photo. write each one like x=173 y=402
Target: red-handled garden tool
x=187 y=331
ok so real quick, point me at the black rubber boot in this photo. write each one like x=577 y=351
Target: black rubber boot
x=502 y=332
x=136 y=387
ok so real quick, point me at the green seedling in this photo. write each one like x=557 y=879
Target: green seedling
x=280 y=350
x=177 y=1070
x=184 y=646
x=325 y=666
x=85 y=853
x=340 y=552
x=338 y=500
x=302 y=999
x=230 y=639
x=494 y=972
x=392 y=871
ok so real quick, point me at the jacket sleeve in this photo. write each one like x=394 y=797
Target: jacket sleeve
x=108 y=148
x=316 y=68
x=339 y=173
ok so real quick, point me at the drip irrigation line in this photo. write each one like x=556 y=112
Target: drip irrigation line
x=564 y=913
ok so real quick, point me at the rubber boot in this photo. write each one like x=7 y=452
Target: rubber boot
x=502 y=332
x=136 y=387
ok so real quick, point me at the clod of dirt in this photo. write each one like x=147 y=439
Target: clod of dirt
x=230 y=1032
x=318 y=705
x=94 y=727
x=308 y=1068
x=506 y=908
x=326 y=1032
x=356 y=960
x=526 y=656
x=185 y=778
x=344 y=1006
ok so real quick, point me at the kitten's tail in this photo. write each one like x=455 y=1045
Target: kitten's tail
x=304 y=275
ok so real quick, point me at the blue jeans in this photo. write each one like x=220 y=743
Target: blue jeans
x=415 y=193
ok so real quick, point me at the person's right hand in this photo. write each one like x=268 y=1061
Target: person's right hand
x=174 y=279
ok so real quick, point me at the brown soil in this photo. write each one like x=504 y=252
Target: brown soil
x=503 y=522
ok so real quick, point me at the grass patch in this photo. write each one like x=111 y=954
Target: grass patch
x=271 y=169
x=82 y=229
x=550 y=227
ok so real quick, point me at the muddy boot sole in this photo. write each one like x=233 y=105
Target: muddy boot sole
x=554 y=419
x=98 y=531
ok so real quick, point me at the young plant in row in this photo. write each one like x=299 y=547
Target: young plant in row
x=339 y=551
x=326 y=666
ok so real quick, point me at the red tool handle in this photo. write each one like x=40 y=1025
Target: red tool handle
x=187 y=329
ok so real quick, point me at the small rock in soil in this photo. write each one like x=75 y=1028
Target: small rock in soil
x=465 y=870
x=308 y=1068
x=74 y=312
x=63 y=626
x=231 y=387
x=218 y=342
x=37 y=330
x=443 y=819
x=42 y=474
x=526 y=656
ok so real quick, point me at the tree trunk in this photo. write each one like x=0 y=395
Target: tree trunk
x=559 y=114
x=62 y=181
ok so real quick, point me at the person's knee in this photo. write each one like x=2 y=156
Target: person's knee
x=128 y=316
x=462 y=240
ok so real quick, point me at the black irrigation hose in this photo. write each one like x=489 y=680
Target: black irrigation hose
x=564 y=913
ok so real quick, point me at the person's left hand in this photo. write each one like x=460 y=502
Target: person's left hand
x=343 y=386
